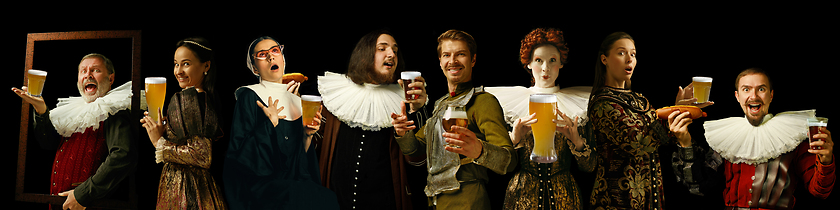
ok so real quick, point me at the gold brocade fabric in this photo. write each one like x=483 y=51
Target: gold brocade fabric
x=628 y=135
x=186 y=182
x=543 y=185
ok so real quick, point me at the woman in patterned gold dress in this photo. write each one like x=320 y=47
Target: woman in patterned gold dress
x=627 y=132
x=184 y=142
x=543 y=53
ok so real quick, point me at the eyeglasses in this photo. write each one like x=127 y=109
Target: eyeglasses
x=263 y=54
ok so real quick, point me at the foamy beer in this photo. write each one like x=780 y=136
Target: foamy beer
x=35 y=83
x=702 y=88
x=544 y=105
x=311 y=104
x=454 y=115
x=155 y=95
x=407 y=78
x=814 y=125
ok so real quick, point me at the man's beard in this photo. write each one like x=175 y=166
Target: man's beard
x=382 y=78
x=102 y=88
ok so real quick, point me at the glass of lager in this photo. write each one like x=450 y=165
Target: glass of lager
x=544 y=105
x=35 y=83
x=155 y=95
x=454 y=115
x=407 y=78
x=311 y=104
x=814 y=125
x=702 y=88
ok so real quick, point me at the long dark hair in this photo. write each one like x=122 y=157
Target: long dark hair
x=203 y=50
x=360 y=67
x=600 y=68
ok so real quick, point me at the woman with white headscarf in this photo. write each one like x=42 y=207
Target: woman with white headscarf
x=269 y=164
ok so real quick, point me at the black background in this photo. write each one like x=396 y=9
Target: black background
x=796 y=45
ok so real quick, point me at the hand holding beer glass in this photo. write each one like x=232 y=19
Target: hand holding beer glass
x=815 y=126
x=407 y=78
x=454 y=115
x=31 y=93
x=311 y=105
x=544 y=105
x=155 y=95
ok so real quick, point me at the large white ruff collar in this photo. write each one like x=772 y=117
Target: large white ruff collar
x=740 y=142
x=277 y=91
x=572 y=101
x=365 y=106
x=73 y=114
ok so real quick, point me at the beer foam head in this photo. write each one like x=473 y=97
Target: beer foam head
x=543 y=98
x=37 y=72
x=313 y=98
x=701 y=79
x=155 y=80
x=409 y=75
x=819 y=121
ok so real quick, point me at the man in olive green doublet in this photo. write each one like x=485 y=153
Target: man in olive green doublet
x=466 y=187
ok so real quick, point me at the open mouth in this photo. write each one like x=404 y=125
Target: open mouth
x=275 y=67
x=628 y=70
x=90 y=87
x=754 y=107
x=389 y=64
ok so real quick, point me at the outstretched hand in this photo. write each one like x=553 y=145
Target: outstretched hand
x=272 y=111
x=401 y=122
x=685 y=96
x=37 y=102
x=521 y=127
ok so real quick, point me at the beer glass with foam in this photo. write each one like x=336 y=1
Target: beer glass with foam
x=814 y=125
x=35 y=83
x=544 y=105
x=310 y=104
x=407 y=78
x=155 y=95
x=702 y=88
x=454 y=115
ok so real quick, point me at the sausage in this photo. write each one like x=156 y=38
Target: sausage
x=665 y=111
x=297 y=77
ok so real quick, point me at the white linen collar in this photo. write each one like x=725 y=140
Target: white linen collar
x=366 y=106
x=740 y=142
x=278 y=91
x=572 y=101
x=74 y=114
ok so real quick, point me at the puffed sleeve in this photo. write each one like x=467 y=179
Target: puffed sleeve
x=498 y=153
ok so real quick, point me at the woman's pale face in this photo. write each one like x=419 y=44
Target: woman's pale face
x=545 y=66
x=189 y=70
x=620 y=62
x=273 y=66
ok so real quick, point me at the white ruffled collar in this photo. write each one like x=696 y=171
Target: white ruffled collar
x=572 y=101
x=278 y=91
x=74 y=114
x=365 y=106
x=738 y=141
